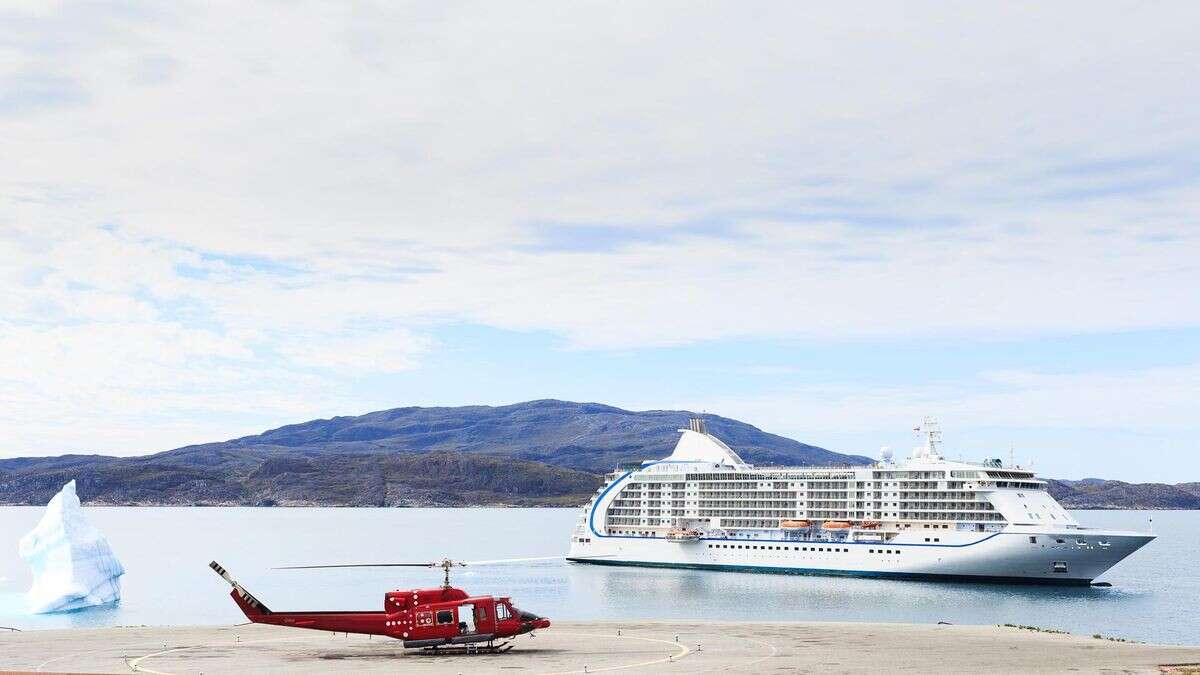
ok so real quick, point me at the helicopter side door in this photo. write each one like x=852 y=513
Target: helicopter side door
x=484 y=621
x=466 y=619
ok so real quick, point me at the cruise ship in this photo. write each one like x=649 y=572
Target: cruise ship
x=926 y=518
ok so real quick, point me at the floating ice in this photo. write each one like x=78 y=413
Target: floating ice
x=73 y=566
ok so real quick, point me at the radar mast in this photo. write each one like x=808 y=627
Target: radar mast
x=932 y=449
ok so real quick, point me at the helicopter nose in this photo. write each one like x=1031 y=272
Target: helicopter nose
x=533 y=620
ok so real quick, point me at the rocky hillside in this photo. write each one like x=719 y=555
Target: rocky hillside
x=316 y=479
x=586 y=436
x=1096 y=493
x=540 y=452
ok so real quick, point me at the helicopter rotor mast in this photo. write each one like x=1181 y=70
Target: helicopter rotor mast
x=446 y=564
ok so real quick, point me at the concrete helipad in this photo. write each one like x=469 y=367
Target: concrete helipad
x=578 y=647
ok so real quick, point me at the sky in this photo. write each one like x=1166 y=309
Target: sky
x=829 y=222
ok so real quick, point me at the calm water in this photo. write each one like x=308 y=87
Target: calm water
x=1155 y=594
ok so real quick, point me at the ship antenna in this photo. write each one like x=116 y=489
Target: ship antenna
x=933 y=439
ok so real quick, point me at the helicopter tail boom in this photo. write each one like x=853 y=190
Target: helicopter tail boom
x=249 y=604
x=348 y=622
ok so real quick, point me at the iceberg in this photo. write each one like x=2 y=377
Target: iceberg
x=73 y=566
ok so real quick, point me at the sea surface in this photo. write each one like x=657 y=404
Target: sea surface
x=1155 y=593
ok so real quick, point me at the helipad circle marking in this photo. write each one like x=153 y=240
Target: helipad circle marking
x=136 y=664
x=683 y=651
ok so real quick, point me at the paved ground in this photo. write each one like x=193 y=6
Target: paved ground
x=634 y=647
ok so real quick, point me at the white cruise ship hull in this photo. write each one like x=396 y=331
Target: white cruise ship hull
x=1007 y=556
x=703 y=507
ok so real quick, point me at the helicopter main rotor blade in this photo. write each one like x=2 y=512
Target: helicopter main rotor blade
x=443 y=563
x=503 y=561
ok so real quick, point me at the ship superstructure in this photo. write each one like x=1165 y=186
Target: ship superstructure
x=704 y=507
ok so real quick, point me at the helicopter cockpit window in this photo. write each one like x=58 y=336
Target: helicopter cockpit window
x=502 y=612
x=445 y=616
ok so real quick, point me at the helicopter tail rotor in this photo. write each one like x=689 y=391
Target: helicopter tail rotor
x=250 y=605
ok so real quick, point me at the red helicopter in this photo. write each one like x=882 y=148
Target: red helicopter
x=439 y=619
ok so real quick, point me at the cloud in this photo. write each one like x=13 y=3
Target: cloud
x=318 y=200
x=375 y=352
x=154 y=69
x=1131 y=424
x=592 y=238
x=24 y=93
x=1160 y=398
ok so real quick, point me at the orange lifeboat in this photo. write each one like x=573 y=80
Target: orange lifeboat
x=869 y=524
x=682 y=535
x=793 y=524
x=836 y=525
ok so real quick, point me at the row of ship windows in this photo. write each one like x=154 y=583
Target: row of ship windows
x=749 y=494
x=819 y=549
x=942 y=499
x=755 y=513
x=899 y=476
x=751 y=491
x=960 y=516
x=798 y=509
x=826 y=494
x=728 y=477
x=744 y=523
x=877 y=476
x=816 y=549
x=815 y=503
x=631 y=504
x=813 y=511
x=946 y=506
x=760 y=524
x=624 y=521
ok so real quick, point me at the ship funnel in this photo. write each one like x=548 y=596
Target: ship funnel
x=697 y=425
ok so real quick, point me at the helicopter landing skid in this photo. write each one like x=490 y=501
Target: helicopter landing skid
x=469 y=649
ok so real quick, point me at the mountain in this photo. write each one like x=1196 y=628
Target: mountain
x=585 y=436
x=539 y=452
x=535 y=453
x=1096 y=493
